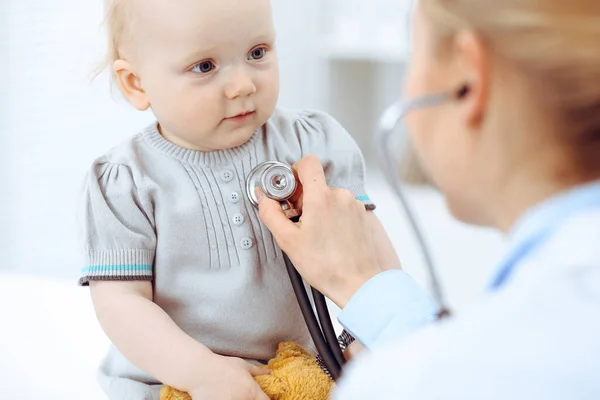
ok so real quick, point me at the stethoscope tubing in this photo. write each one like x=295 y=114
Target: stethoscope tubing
x=327 y=327
x=318 y=335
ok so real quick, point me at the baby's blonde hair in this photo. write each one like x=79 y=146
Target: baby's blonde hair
x=554 y=43
x=118 y=21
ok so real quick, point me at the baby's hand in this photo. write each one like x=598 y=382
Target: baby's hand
x=230 y=379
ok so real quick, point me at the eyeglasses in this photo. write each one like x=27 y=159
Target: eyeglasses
x=388 y=122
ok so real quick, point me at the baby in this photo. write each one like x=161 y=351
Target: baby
x=187 y=283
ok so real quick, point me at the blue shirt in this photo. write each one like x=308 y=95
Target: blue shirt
x=536 y=334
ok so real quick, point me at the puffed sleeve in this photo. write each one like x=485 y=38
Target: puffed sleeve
x=119 y=238
x=340 y=156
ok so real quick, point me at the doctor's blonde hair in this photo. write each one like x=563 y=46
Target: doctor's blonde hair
x=554 y=43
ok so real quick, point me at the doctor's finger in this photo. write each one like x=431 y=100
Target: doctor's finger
x=310 y=173
x=273 y=216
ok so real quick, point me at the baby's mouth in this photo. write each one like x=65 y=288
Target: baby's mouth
x=241 y=115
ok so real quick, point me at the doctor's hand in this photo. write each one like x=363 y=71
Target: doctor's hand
x=332 y=246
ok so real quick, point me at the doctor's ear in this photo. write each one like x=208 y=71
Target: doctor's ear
x=474 y=65
x=130 y=84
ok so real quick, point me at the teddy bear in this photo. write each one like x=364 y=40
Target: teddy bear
x=295 y=375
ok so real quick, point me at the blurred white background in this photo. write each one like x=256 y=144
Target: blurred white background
x=343 y=56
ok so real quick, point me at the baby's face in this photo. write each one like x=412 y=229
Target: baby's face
x=208 y=68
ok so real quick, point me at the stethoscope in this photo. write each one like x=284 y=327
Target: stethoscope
x=278 y=182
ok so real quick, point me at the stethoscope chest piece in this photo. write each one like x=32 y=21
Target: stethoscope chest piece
x=277 y=182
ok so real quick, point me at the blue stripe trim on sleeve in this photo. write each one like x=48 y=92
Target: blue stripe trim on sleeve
x=363 y=198
x=132 y=267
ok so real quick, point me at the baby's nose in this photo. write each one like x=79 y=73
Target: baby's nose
x=239 y=84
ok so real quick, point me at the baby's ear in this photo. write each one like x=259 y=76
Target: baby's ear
x=131 y=85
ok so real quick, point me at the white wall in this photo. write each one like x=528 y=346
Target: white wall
x=58 y=121
x=5 y=189
x=302 y=74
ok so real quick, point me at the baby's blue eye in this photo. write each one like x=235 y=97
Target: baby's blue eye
x=257 y=53
x=204 y=67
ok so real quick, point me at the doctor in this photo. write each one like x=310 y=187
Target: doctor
x=517 y=148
